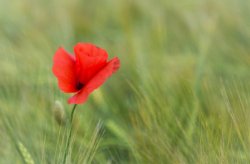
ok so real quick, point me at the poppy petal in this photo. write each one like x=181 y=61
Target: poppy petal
x=64 y=69
x=89 y=60
x=112 y=66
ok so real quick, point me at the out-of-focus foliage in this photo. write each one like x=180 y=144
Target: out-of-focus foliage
x=181 y=95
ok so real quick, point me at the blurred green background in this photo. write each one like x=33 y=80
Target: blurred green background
x=182 y=94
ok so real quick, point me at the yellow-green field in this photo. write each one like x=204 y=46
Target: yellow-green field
x=182 y=94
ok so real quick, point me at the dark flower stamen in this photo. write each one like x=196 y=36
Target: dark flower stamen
x=79 y=86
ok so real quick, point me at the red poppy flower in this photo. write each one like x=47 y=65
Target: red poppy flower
x=84 y=72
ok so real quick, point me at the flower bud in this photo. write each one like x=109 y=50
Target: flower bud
x=59 y=113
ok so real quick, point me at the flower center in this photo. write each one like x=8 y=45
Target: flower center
x=79 y=86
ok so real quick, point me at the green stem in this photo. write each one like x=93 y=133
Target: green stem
x=70 y=134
